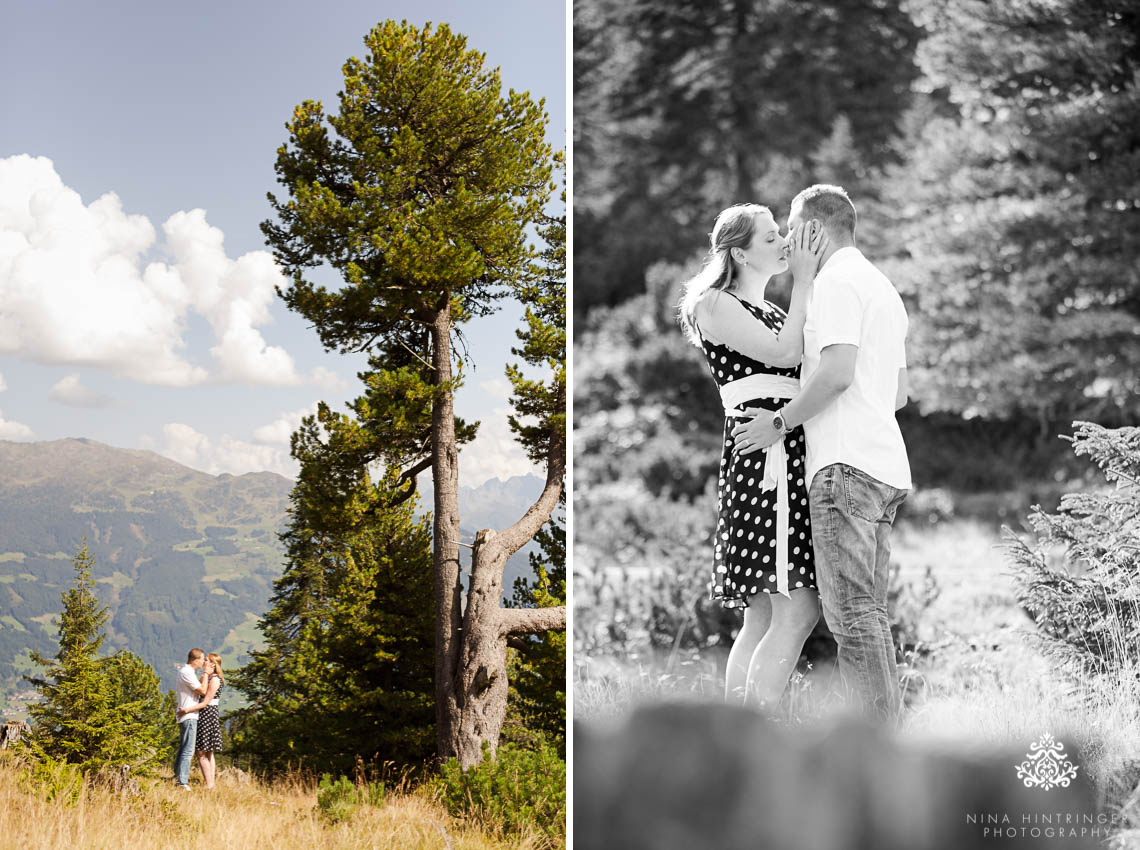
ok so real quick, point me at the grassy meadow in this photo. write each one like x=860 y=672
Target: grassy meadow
x=973 y=674
x=241 y=811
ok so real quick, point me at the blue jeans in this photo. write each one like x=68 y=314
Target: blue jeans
x=187 y=733
x=851 y=517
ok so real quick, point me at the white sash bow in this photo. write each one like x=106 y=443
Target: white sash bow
x=733 y=395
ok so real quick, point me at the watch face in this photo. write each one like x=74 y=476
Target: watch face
x=778 y=422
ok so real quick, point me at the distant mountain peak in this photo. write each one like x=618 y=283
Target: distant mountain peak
x=86 y=460
x=182 y=558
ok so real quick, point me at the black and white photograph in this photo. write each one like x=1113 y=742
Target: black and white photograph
x=856 y=386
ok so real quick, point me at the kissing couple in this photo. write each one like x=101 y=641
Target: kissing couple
x=199 y=723
x=813 y=468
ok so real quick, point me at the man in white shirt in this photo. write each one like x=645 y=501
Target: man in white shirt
x=188 y=690
x=853 y=380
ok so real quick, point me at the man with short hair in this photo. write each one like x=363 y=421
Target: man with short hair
x=853 y=379
x=188 y=691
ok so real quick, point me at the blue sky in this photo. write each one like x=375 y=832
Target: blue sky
x=136 y=148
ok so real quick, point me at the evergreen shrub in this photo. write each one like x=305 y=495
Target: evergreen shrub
x=515 y=792
x=338 y=800
x=1080 y=580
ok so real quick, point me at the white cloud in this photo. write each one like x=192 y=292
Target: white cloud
x=494 y=453
x=75 y=288
x=191 y=448
x=328 y=379
x=72 y=284
x=13 y=430
x=234 y=295
x=280 y=430
x=71 y=392
x=496 y=388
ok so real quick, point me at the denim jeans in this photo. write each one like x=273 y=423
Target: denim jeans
x=851 y=517
x=187 y=732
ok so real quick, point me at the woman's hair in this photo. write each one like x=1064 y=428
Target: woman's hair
x=217 y=662
x=733 y=229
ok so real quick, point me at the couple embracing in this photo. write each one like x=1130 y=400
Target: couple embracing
x=814 y=467
x=199 y=724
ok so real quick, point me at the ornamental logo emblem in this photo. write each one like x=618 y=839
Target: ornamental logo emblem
x=1046 y=765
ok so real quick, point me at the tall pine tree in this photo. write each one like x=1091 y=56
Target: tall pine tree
x=420 y=198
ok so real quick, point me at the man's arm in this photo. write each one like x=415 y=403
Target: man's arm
x=835 y=373
x=192 y=682
x=208 y=696
x=903 y=390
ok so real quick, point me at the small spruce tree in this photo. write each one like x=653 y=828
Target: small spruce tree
x=1087 y=609
x=96 y=712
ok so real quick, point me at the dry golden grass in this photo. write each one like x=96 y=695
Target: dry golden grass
x=248 y=815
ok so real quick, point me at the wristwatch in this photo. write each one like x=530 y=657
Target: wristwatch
x=779 y=423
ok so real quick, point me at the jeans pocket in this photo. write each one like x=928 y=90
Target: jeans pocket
x=893 y=506
x=866 y=497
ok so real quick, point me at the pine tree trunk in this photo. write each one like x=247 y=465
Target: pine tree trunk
x=481 y=686
x=445 y=543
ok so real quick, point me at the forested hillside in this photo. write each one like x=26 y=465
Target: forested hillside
x=181 y=557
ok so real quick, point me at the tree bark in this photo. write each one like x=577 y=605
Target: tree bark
x=482 y=687
x=445 y=541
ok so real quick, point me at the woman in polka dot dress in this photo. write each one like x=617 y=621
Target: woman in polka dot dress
x=762 y=557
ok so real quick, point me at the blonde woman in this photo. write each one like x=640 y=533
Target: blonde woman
x=762 y=558
x=209 y=738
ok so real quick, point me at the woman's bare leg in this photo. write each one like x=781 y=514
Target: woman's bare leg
x=201 y=757
x=757 y=617
x=210 y=770
x=776 y=654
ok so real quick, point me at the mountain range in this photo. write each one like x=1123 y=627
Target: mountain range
x=182 y=558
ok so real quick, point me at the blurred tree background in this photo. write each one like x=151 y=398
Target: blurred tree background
x=993 y=152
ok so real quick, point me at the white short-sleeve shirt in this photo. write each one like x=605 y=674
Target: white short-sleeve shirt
x=187 y=682
x=853 y=303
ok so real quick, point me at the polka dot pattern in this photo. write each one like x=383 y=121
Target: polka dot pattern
x=744 y=556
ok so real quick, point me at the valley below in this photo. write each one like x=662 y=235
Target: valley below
x=182 y=558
